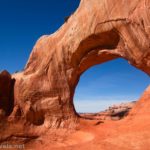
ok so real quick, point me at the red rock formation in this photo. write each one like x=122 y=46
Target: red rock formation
x=97 y=32
x=6 y=97
x=141 y=111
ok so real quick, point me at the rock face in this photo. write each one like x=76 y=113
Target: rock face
x=97 y=32
x=6 y=94
x=115 y=112
x=141 y=110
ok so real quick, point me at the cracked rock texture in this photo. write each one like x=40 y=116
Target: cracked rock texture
x=98 y=31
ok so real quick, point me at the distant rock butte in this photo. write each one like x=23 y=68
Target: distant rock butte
x=97 y=32
x=115 y=112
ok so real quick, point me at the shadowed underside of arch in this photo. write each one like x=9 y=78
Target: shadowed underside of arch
x=97 y=32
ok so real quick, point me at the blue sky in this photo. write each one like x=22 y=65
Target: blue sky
x=22 y=22
x=109 y=83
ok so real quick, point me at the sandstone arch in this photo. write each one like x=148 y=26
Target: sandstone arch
x=97 y=32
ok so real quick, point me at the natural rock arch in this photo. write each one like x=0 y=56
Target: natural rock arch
x=99 y=31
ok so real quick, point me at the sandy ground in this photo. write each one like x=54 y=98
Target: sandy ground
x=94 y=135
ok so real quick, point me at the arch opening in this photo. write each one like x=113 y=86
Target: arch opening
x=112 y=83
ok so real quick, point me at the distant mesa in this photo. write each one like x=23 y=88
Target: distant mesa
x=115 y=112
